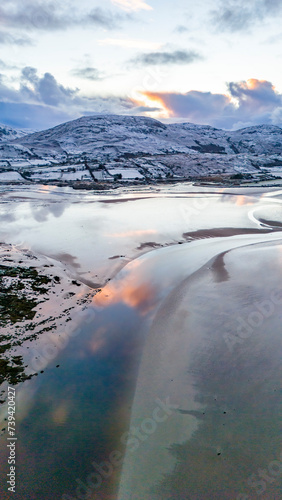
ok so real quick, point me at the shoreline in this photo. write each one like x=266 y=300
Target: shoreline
x=40 y=300
x=213 y=181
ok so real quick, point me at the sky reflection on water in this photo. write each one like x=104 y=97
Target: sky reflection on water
x=79 y=410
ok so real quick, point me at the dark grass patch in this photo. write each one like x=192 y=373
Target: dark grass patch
x=14 y=308
x=13 y=370
x=20 y=288
x=15 y=305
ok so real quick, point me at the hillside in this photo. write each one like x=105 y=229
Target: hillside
x=137 y=147
x=9 y=134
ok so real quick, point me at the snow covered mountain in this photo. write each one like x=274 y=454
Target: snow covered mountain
x=262 y=139
x=112 y=136
x=9 y=134
x=104 y=136
x=149 y=147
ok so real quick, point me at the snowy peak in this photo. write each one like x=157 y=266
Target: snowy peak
x=9 y=134
x=90 y=127
x=103 y=135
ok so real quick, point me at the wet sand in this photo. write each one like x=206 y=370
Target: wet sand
x=214 y=354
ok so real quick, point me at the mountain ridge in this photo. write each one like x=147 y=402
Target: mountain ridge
x=113 y=129
x=149 y=147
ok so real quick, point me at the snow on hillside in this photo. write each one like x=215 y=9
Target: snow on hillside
x=107 y=136
x=148 y=147
x=9 y=134
x=113 y=136
x=205 y=139
x=11 y=177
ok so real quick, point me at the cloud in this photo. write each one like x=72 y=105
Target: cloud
x=239 y=15
x=146 y=109
x=41 y=102
x=31 y=116
x=132 y=5
x=44 y=89
x=5 y=66
x=7 y=38
x=274 y=39
x=181 y=29
x=103 y=18
x=247 y=103
x=258 y=94
x=33 y=15
x=194 y=104
x=88 y=73
x=159 y=58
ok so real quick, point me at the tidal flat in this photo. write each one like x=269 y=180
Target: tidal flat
x=141 y=330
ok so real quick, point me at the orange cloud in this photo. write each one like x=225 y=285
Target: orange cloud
x=251 y=101
x=156 y=99
x=151 y=100
x=253 y=83
x=192 y=103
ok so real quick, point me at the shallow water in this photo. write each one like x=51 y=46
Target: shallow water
x=163 y=327
x=214 y=352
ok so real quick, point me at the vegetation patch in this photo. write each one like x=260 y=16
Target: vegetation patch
x=27 y=296
x=16 y=286
x=20 y=288
x=13 y=370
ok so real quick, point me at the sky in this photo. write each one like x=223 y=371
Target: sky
x=216 y=62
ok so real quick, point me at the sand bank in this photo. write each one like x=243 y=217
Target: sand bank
x=216 y=372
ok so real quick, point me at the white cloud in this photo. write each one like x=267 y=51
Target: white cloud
x=132 y=5
x=41 y=101
x=131 y=44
